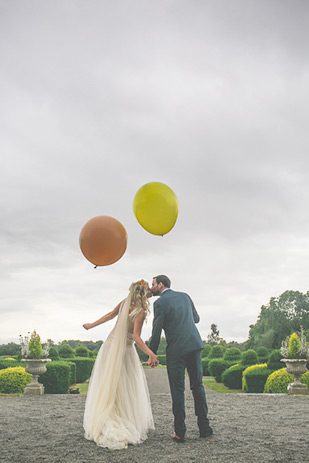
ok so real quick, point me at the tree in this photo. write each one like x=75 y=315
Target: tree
x=213 y=338
x=279 y=318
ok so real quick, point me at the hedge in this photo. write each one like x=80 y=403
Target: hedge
x=56 y=379
x=83 y=367
x=217 y=367
x=14 y=380
x=278 y=381
x=9 y=364
x=232 y=377
x=247 y=371
x=216 y=352
x=162 y=359
x=72 y=366
x=205 y=362
x=262 y=354
x=232 y=354
x=249 y=357
x=256 y=379
x=274 y=360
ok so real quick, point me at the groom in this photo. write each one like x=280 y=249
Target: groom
x=176 y=314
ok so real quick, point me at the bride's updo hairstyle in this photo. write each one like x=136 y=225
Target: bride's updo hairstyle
x=139 y=295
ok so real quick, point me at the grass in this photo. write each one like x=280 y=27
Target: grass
x=219 y=387
x=83 y=387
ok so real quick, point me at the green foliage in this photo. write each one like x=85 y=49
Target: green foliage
x=279 y=318
x=9 y=349
x=53 y=354
x=249 y=371
x=83 y=368
x=278 y=382
x=206 y=371
x=14 y=380
x=142 y=356
x=35 y=346
x=232 y=377
x=256 y=379
x=262 y=354
x=294 y=346
x=81 y=351
x=162 y=359
x=232 y=354
x=206 y=351
x=8 y=363
x=216 y=352
x=305 y=379
x=274 y=360
x=72 y=366
x=56 y=379
x=216 y=367
x=66 y=351
x=249 y=357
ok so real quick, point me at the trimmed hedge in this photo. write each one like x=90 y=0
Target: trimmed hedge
x=14 y=380
x=66 y=351
x=9 y=364
x=72 y=366
x=249 y=357
x=217 y=367
x=262 y=354
x=232 y=354
x=274 y=360
x=205 y=362
x=247 y=371
x=256 y=379
x=278 y=381
x=83 y=368
x=81 y=351
x=216 y=352
x=206 y=351
x=232 y=377
x=56 y=379
x=53 y=353
x=162 y=359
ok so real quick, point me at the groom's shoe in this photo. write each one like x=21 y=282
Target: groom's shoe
x=206 y=432
x=178 y=439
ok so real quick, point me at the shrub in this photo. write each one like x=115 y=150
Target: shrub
x=90 y=354
x=233 y=354
x=66 y=351
x=206 y=371
x=247 y=371
x=81 y=351
x=216 y=352
x=8 y=364
x=35 y=346
x=217 y=367
x=278 y=382
x=232 y=377
x=262 y=354
x=14 y=380
x=274 y=362
x=294 y=346
x=72 y=366
x=53 y=354
x=249 y=357
x=162 y=359
x=206 y=351
x=56 y=379
x=256 y=379
x=83 y=368
x=305 y=378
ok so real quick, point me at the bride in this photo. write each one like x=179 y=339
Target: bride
x=118 y=410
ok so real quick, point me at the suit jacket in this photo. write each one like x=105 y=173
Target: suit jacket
x=176 y=314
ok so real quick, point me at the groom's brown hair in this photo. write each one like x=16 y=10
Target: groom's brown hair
x=164 y=280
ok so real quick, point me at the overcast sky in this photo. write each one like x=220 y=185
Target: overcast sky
x=100 y=97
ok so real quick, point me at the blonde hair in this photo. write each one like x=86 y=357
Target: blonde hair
x=139 y=299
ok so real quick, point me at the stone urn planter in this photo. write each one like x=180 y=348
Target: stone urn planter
x=35 y=367
x=296 y=367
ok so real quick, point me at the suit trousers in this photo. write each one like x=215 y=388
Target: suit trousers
x=176 y=375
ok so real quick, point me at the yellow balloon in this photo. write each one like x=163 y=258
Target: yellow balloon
x=155 y=207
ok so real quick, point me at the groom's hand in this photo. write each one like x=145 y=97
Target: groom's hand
x=153 y=361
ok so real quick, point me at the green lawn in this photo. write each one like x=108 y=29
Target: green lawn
x=219 y=387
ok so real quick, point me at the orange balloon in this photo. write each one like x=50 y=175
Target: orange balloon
x=103 y=240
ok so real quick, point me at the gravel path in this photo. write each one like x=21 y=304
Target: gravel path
x=248 y=428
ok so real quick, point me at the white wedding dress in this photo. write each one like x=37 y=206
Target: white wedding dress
x=118 y=409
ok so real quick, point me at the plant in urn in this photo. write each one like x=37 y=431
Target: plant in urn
x=296 y=353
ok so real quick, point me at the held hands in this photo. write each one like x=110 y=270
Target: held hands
x=153 y=360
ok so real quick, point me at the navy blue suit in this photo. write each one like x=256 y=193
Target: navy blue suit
x=174 y=312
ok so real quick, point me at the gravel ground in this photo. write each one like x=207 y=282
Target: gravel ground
x=248 y=428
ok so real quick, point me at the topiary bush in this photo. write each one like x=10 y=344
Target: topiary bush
x=53 y=354
x=66 y=351
x=83 y=368
x=205 y=363
x=233 y=354
x=14 y=380
x=249 y=357
x=248 y=371
x=35 y=346
x=216 y=352
x=81 y=351
x=9 y=364
x=56 y=379
x=262 y=354
x=274 y=360
x=232 y=377
x=278 y=382
x=162 y=359
x=217 y=367
x=206 y=351
x=256 y=379
x=72 y=366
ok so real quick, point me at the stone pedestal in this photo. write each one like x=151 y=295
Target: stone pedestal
x=35 y=367
x=296 y=367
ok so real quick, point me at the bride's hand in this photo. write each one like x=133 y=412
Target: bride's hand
x=153 y=361
x=87 y=326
